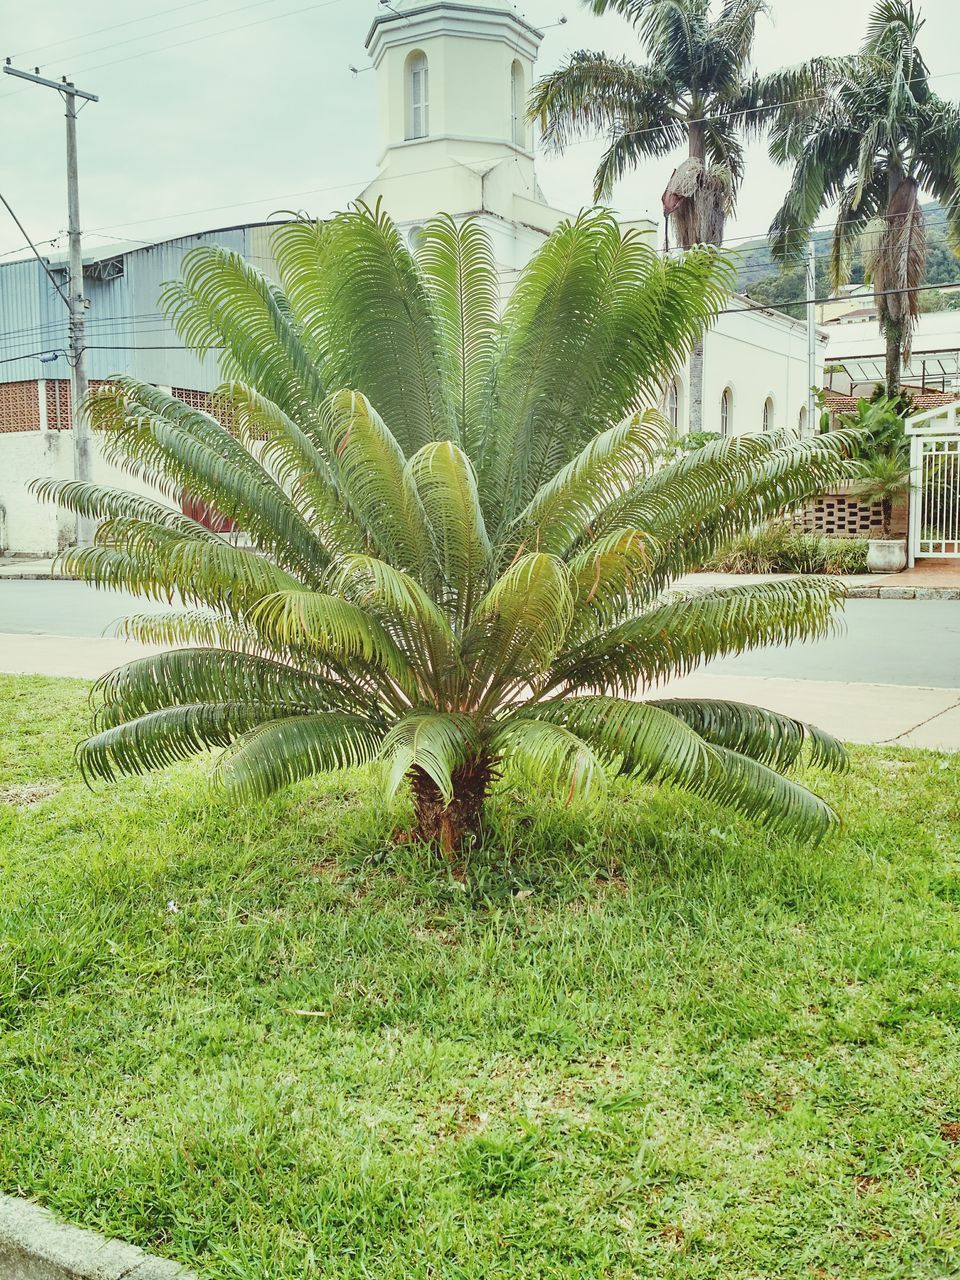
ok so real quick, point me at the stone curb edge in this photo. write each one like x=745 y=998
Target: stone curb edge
x=35 y=1245
x=903 y=593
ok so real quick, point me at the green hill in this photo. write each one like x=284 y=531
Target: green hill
x=760 y=278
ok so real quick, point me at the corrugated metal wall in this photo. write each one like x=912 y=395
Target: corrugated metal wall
x=125 y=327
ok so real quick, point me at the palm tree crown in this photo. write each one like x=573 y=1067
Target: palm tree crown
x=871 y=139
x=694 y=90
x=459 y=528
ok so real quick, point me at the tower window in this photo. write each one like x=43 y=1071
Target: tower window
x=518 y=105
x=418 y=96
x=768 y=414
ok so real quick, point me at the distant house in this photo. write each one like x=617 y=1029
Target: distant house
x=856 y=359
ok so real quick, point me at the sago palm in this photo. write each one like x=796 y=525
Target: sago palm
x=693 y=91
x=459 y=529
x=871 y=140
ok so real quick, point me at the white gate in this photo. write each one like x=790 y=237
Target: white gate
x=935 y=484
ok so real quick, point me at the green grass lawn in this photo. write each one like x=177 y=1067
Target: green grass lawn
x=658 y=1042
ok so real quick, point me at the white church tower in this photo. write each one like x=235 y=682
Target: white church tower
x=453 y=81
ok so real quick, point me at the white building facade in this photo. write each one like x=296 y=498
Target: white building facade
x=453 y=80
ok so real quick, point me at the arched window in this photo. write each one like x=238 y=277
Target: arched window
x=673 y=406
x=418 y=96
x=517 y=105
x=768 y=414
x=802 y=423
x=726 y=412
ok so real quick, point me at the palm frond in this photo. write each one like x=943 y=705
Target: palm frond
x=326 y=624
x=766 y=736
x=283 y=751
x=677 y=637
x=224 y=304
x=100 y=502
x=185 y=676
x=520 y=624
x=551 y=758
x=295 y=453
x=606 y=469
x=651 y=742
x=152 y=563
x=460 y=276
x=357 y=293
x=446 y=484
x=182 y=450
x=167 y=736
x=374 y=482
x=436 y=744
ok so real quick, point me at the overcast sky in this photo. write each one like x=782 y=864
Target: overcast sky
x=216 y=112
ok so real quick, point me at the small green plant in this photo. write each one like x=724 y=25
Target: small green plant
x=777 y=548
x=886 y=480
x=694 y=440
x=845 y=556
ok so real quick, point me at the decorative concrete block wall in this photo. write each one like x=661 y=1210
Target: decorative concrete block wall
x=842 y=514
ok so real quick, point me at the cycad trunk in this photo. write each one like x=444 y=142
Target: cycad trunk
x=447 y=826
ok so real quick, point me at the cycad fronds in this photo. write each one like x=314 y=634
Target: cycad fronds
x=468 y=576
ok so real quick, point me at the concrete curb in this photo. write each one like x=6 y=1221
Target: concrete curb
x=903 y=593
x=34 y=1245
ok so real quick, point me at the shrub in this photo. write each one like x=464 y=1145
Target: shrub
x=777 y=548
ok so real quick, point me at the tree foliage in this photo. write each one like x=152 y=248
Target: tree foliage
x=456 y=529
x=694 y=90
x=870 y=140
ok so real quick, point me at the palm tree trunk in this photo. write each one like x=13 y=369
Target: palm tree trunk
x=894 y=334
x=448 y=826
x=894 y=331
x=696 y=387
x=697 y=150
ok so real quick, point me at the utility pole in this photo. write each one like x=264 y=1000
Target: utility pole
x=811 y=336
x=75 y=297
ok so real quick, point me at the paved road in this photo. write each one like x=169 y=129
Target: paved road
x=905 y=642
x=66 y=609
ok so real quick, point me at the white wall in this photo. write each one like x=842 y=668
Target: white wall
x=31 y=527
x=756 y=354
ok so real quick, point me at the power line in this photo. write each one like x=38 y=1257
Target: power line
x=181 y=26
x=144 y=53
x=111 y=26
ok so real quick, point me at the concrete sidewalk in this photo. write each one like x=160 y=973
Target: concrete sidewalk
x=870 y=713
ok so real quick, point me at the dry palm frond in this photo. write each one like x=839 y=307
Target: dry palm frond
x=894 y=256
x=699 y=198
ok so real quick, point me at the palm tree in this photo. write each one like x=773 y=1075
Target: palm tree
x=461 y=527
x=872 y=140
x=693 y=90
